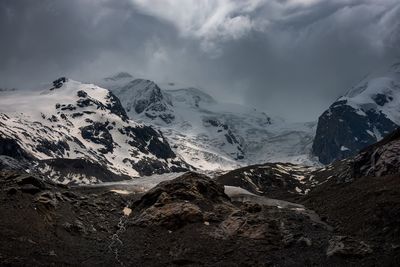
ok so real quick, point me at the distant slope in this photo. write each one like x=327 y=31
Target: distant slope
x=209 y=134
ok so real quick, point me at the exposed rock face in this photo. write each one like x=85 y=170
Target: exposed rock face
x=10 y=147
x=363 y=116
x=147 y=141
x=343 y=131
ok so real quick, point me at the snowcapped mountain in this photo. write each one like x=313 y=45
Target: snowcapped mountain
x=80 y=133
x=368 y=112
x=209 y=134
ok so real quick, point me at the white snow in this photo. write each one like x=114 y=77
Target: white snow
x=233 y=191
x=260 y=138
x=343 y=148
x=120 y=191
x=32 y=116
x=361 y=97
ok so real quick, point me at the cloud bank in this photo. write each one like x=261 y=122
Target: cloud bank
x=287 y=57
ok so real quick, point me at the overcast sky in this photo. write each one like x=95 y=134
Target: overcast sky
x=288 y=57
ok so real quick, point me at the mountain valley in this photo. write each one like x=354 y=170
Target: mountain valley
x=132 y=174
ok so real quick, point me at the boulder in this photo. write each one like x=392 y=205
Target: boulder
x=189 y=198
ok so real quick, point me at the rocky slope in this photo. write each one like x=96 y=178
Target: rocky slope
x=192 y=220
x=209 y=134
x=80 y=133
x=368 y=112
x=365 y=203
x=359 y=196
x=344 y=214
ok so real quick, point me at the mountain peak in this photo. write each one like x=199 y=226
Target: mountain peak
x=364 y=115
x=119 y=76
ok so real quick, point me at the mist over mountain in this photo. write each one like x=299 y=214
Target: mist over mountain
x=275 y=56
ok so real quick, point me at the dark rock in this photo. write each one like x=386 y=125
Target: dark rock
x=68 y=107
x=148 y=166
x=99 y=134
x=10 y=147
x=343 y=132
x=382 y=99
x=145 y=138
x=76 y=115
x=51 y=148
x=82 y=93
x=59 y=82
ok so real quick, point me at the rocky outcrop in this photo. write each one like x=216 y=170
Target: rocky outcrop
x=190 y=198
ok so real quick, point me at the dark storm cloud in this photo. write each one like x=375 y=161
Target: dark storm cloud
x=290 y=57
x=43 y=39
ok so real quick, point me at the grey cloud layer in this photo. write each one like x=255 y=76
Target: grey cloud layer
x=290 y=57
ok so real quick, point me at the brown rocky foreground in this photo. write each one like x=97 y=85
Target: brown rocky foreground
x=190 y=221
